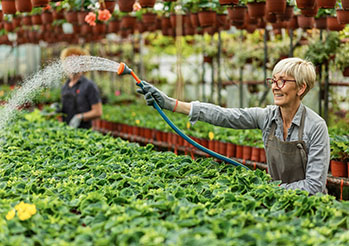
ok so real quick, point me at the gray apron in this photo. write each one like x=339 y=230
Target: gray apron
x=287 y=161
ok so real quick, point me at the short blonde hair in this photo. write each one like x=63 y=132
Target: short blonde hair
x=74 y=51
x=301 y=70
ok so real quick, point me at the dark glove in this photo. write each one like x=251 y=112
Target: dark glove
x=151 y=93
x=75 y=121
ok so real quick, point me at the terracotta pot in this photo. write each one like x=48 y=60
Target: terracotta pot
x=228 y=2
x=39 y=3
x=194 y=19
x=321 y=23
x=303 y=4
x=207 y=18
x=81 y=17
x=36 y=19
x=262 y=156
x=128 y=22
x=222 y=148
x=114 y=26
x=126 y=5
x=339 y=168
x=275 y=6
x=310 y=11
x=71 y=16
x=333 y=25
x=305 y=22
x=255 y=154
x=99 y=28
x=8 y=6
x=342 y=16
x=345 y=4
x=58 y=15
x=231 y=150
x=26 y=20
x=8 y=26
x=16 y=22
x=221 y=20
x=109 y=5
x=239 y=151
x=246 y=154
x=208 y=59
x=23 y=5
x=326 y=4
x=47 y=17
x=149 y=18
x=346 y=72
x=203 y=142
x=1 y=15
x=270 y=17
x=147 y=3
x=256 y=9
x=293 y=23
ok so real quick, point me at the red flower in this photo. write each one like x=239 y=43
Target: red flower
x=104 y=15
x=91 y=19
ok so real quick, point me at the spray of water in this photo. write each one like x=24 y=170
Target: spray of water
x=48 y=77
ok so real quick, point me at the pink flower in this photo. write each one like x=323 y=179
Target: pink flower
x=117 y=93
x=58 y=4
x=136 y=6
x=91 y=19
x=104 y=15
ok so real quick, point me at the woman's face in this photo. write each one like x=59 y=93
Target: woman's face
x=286 y=94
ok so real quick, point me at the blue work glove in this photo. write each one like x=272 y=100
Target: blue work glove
x=151 y=93
x=75 y=121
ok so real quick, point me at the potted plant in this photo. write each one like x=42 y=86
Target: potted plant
x=339 y=155
x=256 y=8
x=321 y=19
x=8 y=7
x=36 y=15
x=342 y=14
x=207 y=12
x=320 y=51
x=23 y=6
x=342 y=59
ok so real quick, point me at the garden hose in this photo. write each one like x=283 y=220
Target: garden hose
x=123 y=69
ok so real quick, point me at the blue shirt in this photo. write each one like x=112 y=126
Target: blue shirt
x=315 y=135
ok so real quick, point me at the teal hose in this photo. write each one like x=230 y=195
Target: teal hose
x=191 y=141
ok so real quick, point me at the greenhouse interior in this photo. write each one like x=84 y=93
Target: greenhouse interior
x=174 y=122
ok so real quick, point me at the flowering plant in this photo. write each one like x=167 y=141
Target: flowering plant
x=98 y=16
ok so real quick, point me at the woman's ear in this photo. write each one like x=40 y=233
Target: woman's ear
x=301 y=89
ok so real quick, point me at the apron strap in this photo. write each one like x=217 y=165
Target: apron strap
x=301 y=127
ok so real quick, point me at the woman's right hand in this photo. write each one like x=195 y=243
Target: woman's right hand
x=151 y=93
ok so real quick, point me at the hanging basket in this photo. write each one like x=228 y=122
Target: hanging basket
x=147 y=3
x=343 y=16
x=36 y=19
x=310 y=11
x=207 y=18
x=333 y=24
x=23 y=6
x=303 y=4
x=39 y=3
x=345 y=4
x=326 y=4
x=321 y=23
x=305 y=22
x=8 y=6
x=126 y=5
x=256 y=10
x=275 y=6
x=47 y=17
x=71 y=16
x=109 y=5
x=228 y=2
x=114 y=26
x=1 y=15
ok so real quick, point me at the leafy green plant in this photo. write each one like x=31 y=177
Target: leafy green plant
x=342 y=56
x=319 y=51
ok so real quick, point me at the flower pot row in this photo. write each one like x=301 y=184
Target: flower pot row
x=175 y=141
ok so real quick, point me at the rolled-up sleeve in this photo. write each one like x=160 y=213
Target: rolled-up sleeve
x=318 y=162
x=237 y=118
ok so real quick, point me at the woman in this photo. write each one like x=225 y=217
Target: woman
x=81 y=102
x=295 y=137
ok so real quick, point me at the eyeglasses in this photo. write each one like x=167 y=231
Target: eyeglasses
x=279 y=83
